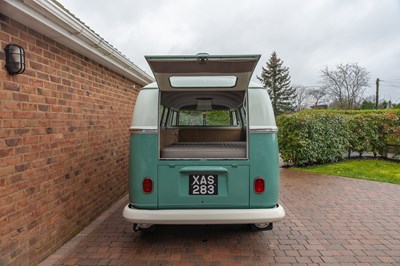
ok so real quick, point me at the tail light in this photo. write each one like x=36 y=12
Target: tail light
x=147 y=185
x=259 y=185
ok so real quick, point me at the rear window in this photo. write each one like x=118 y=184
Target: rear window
x=203 y=81
x=202 y=108
x=207 y=118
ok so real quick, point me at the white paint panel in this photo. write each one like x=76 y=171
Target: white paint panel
x=261 y=114
x=145 y=114
x=204 y=216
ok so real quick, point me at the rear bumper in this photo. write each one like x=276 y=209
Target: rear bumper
x=204 y=216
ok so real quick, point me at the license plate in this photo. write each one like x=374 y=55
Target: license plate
x=203 y=184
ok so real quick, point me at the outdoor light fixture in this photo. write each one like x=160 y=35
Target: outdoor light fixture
x=15 y=59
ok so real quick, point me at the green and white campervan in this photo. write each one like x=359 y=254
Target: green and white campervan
x=203 y=145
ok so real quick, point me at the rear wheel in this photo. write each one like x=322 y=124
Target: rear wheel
x=143 y=227
x=261 y=227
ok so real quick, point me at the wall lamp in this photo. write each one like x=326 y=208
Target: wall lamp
x=15 y=59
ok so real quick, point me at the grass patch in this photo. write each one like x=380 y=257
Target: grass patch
x=368 y=169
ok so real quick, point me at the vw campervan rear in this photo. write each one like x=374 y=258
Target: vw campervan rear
x=203 y=145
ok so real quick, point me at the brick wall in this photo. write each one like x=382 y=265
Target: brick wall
x=64 y=129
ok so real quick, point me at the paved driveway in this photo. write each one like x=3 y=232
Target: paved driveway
x=330 y=220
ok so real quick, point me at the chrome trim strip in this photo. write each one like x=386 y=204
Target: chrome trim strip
x=264 y=130
x=142 y=131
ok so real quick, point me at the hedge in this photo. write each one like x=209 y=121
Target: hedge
x=324 y=136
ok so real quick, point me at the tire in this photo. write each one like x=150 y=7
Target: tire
x=261 y=227
x=143 y=227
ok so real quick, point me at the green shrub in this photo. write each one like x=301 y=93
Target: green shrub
x=312 y=137
x=323 y=136
x=365 y=133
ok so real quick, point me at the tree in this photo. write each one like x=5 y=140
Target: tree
x=383 y=105
x=346 y=84
x=367 y=105
x=302 y=97
x=276 y=79
x=318 y=95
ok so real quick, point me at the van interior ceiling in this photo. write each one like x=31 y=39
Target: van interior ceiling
x=203 y=125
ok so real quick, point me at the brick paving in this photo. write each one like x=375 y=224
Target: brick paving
x=329 y=221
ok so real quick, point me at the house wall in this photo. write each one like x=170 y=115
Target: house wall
x=64 y=129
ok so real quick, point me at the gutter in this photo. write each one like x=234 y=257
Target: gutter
x=49 y=18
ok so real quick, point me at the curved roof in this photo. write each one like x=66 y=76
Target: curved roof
x=189 y=100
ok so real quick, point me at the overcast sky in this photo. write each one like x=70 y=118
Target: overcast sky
x=307 y=35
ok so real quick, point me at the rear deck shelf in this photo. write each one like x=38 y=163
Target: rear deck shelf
x=203 y=143
x=211 y=150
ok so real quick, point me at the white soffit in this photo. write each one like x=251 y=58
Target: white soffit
x=52 y=20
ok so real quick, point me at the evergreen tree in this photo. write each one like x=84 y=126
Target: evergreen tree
x=276 y=79
x=367 y=105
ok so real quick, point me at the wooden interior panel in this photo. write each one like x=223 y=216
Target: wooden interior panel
x=168 y=136
x=203 y=142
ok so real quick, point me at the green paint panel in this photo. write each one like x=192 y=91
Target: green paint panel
x=235 y=177
x=143 y=163
x=233 y=186
x=264 y=163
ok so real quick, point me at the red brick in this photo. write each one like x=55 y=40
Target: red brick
x=27 y=37
x=20 y=97
x=37 y=99
x=21 y=131
x=35 y=82
x=6 y=152
x=28 y=90
x=22 y=115
x=29 y=106
x=35 y=49
x=50 y=55
x=22 y=149
x=4 y=37
x=42 y=44
x=22 y=167
x=18 y=41
x=5 y=95
x=13 y=142
x=11 y=105
x=21 y=79
x=36 y=66
x=16 y=178
x=43 y=108
x=11 y=86
x=41 y=169
x=7 y=170
x=42 y=76
x=5 y=114
x=9 y=29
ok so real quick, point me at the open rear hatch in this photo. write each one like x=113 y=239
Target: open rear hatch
x=203 y=71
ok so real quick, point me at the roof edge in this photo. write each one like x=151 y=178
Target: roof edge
x=52 y=20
